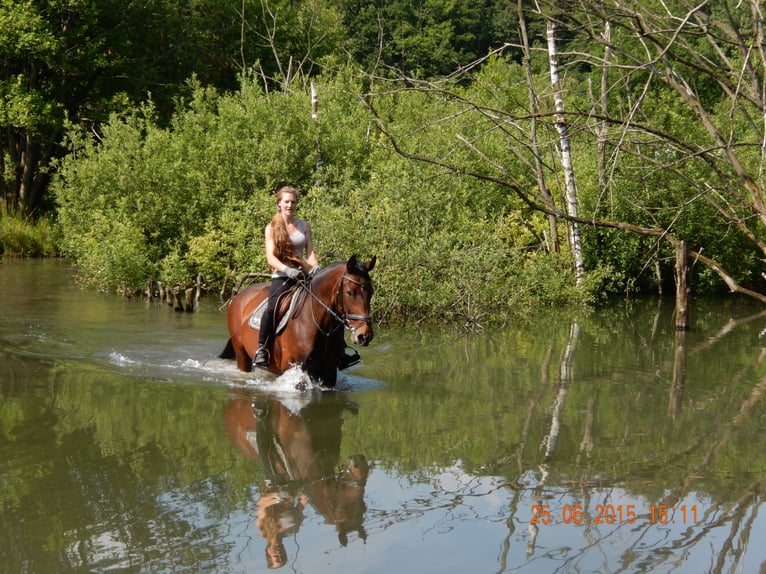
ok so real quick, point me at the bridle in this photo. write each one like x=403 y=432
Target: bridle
x=341 y=318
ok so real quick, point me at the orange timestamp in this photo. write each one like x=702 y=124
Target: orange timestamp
x=613 y=514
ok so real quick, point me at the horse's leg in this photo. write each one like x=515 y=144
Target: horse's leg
x=236 y=351
x=228 y=351
x=334 y=349
x=329 y=376
x=280 y=360
x=244 y=360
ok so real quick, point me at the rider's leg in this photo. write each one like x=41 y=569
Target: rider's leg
x=262 y=357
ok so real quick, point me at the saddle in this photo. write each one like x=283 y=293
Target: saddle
x=287 y=305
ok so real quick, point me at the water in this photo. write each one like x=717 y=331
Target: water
x=601 y=442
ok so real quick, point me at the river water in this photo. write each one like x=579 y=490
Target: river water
x=593 y=442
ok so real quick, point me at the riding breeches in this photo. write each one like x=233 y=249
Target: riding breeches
x=279 y=285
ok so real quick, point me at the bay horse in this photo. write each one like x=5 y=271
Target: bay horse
x=300 y=453
x=336 y=298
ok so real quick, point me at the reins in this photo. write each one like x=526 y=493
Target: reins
x=343 y=319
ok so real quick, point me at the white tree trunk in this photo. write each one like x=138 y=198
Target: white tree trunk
x=575 y=243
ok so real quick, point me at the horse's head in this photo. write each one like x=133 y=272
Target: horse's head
x=354 y=295
x=340 y=498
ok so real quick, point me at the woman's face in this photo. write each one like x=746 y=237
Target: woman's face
x=287 y=204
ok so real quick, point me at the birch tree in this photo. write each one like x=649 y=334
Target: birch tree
x=711 y=57
x=575 y=242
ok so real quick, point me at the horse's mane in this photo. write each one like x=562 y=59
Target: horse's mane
x=360 y=268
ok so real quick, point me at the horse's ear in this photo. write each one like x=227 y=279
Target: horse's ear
x=371 y=264
x=351 y=264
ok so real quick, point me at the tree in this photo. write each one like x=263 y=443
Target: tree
x=566 y=155
x=63 y=63
x=709 y=59
x=425 y=38
x=679 y=117
x=26 y=112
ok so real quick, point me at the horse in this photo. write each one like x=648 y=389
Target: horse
x=336 y=297
x=300 y=454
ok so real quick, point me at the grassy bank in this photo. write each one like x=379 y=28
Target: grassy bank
x=20 y=237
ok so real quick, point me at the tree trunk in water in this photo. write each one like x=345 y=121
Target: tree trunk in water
x=682 y=302
x=566 y=156
x=679 y=375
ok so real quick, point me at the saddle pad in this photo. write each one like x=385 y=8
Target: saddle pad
x=255 y=318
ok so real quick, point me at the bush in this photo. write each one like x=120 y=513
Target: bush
x=167 y=204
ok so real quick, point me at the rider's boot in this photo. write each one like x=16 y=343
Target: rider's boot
x=261 y=358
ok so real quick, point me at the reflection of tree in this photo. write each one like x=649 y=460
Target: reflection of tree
x=679 y=374
x=96 y=472
x=680 y=356
x=740 y=529
x=725 y=434
x=300 y=453
x=549 y=443
x=565 y=378
x=739 y=515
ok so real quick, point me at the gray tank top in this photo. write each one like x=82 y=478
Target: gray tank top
x=298 y=240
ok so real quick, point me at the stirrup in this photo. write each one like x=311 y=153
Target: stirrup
x=262 y=358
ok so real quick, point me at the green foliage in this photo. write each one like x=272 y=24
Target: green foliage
x=81 y=61
x=20 y=237
x=457 y=236
x=147 y=202
x=426 y=38
x=188 y=198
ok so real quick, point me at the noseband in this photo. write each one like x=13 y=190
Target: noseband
x=343 y=318
x=347 y=317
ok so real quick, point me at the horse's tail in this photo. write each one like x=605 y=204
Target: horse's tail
x=228 y=351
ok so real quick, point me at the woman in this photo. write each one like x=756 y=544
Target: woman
x=289 y=252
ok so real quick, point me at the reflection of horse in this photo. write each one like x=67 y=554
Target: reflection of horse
x=300 y=454
x=337 y=296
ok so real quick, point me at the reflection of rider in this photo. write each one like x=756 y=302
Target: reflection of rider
x=279 y=514
x=287 y=238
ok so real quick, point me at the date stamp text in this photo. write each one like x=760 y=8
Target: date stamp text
x=614 y=514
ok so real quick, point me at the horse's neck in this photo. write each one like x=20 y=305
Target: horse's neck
x=325 y=287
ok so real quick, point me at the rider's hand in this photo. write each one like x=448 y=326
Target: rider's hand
x=314 y=270
x=292 y=272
